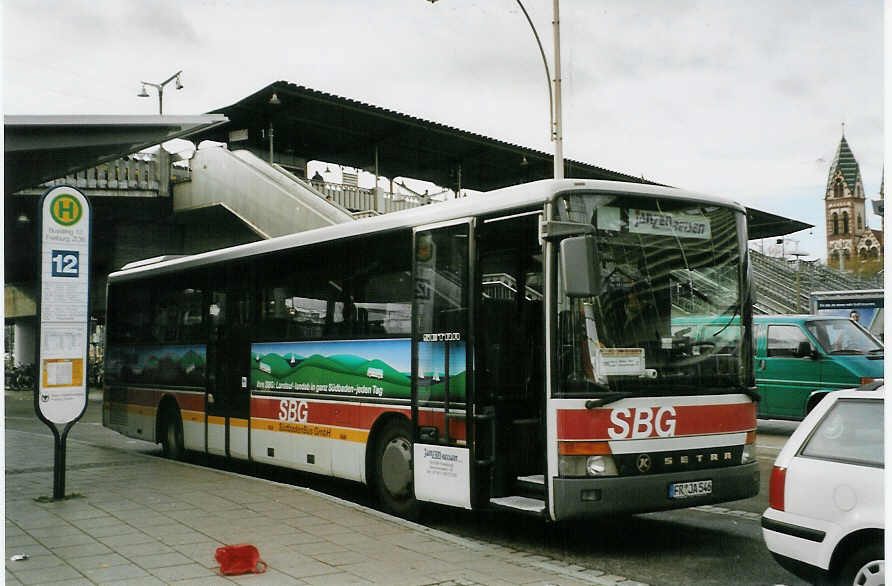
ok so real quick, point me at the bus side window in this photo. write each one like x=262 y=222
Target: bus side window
x=131 y=311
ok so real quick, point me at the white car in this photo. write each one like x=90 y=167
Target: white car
x=825 y=520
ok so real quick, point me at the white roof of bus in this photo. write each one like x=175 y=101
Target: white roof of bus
x=506 y=199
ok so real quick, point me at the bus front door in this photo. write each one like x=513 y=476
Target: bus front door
x=441 y=378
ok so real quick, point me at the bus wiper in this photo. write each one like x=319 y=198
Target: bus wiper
x=733 y=315
x=607 y=398
x=877 y=350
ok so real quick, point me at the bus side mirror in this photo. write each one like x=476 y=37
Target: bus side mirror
x=580 y=270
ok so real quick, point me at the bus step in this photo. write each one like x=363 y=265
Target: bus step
x=532 y=486
x=519 y=503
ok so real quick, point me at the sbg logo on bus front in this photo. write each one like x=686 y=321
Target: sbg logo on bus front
x=293 y=411
x=641 y=423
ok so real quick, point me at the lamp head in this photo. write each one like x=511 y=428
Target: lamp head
x=179 y=85
x=143 y=93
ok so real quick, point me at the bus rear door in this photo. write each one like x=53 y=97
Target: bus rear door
x=229 y=355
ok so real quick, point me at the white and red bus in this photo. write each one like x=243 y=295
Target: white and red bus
x=518 y=349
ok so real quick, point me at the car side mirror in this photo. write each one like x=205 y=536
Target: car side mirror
x=580 y=270
x=804 y=350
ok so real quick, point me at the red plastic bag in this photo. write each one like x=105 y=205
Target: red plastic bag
x=239 y=559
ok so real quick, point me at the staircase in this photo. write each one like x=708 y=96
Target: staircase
x=269 y=199
x=775 y=282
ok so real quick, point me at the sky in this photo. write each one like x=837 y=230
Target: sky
x=740 y=99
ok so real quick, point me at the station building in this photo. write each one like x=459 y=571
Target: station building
x=246 y=181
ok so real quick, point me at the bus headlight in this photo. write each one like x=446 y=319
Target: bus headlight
x=585 y=458
x=600 y=466
x=586 y=466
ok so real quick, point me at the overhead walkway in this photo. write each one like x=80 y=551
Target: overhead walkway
x=269 y=199
x=776 y=284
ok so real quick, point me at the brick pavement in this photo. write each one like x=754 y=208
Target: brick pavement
x=138 y=519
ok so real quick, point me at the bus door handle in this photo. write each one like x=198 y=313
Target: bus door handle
x=487 y=414
x=428 y=435
x=762 y=364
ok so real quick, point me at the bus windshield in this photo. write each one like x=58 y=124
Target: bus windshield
x=668 y=316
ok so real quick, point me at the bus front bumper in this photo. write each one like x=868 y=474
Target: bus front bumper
x=590 y=497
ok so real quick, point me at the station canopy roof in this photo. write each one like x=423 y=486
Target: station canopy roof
x=41 y=148
x=320 y=126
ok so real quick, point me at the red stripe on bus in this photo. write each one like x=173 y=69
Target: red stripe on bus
x=596 y=424
x=347 y=414
x=343 y=414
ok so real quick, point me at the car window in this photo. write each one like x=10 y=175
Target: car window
x=843 y=336
x=783 y=341
x=851 y=431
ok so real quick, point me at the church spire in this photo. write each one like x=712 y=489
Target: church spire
x=844 y=162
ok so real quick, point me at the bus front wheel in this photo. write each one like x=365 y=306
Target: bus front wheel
x=393 y=470
x=172 y=435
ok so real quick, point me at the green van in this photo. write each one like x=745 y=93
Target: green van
x=799 y=358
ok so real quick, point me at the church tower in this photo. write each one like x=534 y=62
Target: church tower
x=848 y=235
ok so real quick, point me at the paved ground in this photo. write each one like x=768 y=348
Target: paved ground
x=135 y=519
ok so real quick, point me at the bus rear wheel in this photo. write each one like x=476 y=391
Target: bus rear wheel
x=172 y=435
x=393 y=470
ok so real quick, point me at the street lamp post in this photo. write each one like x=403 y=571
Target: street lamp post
x=160 y=87
x=798 y=254
x=554 y=98
x=558 y=130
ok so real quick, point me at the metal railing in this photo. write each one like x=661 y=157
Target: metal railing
x=137 y=173
x=362 y=199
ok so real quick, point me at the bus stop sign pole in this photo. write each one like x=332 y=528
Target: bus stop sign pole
x=63 y=315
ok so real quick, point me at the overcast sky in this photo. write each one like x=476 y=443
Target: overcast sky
x=742 y=99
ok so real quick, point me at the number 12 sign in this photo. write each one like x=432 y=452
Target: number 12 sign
x=66 y=263
x=61 y=393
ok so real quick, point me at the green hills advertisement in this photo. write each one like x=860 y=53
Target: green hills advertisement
x=372 y=368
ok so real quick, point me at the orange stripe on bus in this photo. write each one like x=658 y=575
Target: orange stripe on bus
x=135 y=409
x=216 y=420
x=324 y=431
x=195 y=416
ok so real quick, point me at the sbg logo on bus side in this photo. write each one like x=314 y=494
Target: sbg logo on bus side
x=641 y=423
x=293 y=411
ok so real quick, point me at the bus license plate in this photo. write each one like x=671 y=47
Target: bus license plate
x=684 y=490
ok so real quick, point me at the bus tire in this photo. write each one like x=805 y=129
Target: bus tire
x=172 y=434
x=393 y=470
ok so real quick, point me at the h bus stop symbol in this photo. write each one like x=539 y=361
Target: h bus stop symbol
x=66 y=210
